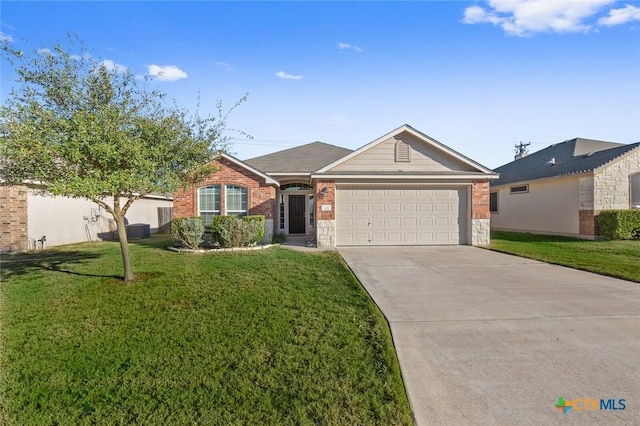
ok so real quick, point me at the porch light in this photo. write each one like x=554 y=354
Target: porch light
x=325 y=191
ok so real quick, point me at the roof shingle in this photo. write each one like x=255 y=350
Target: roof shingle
x=301 y=159
x=573 y=156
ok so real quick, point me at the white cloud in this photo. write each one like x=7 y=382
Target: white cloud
x=347 y=46
x=285 y=76
x=5 y=37
x=166 y=72
x=44 y=51
x=525 y=17
x=225 y=66
x=112 y=66
x=621 y=16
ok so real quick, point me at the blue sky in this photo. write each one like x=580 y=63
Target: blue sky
x=477 y=76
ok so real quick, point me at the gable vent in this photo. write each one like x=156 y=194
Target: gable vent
x=403 y=152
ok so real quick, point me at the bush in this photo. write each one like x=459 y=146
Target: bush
x=187 y=231
x=619 y=224
x=258 y=229
x=279 y=238
x=230 y=231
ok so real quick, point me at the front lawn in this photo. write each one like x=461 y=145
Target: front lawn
x=619 y=259
x=266 y=337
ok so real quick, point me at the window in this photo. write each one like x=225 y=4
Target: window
x=493 y=202
x=281 y=211
x=236 y=200
x=521 y=189
x=311 y=211
x=209 y=203
x=403 y=152
x=634 y=190
x=295 y=187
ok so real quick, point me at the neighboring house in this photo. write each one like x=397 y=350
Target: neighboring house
x=26 y=217
x=561 y=189
x=404 y=188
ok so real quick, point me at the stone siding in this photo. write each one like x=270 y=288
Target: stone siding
x=326 y=233
x=611 y=183
x=325 y=220
x=480 y=232
x=480 y=215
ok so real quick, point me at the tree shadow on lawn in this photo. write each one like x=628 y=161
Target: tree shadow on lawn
x=25 y=263
x=523 y=237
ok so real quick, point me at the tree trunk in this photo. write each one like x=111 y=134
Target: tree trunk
x=124 y=246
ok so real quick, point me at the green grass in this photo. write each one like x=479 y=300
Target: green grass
x=619 y=259
x=265 y=337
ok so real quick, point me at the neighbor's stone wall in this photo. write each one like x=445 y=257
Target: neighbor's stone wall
x=13 y=218
x=480 y=215
x=607 y=189
x=587 y=226
x=262 y=197
x=611 y=185
x=325 y=220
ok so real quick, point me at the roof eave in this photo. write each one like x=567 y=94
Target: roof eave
x=268 y=179
x=406 y=177
x=417 y=134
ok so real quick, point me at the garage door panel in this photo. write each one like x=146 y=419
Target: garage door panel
x=394 y=207
x=401 y=216
x=394 y=222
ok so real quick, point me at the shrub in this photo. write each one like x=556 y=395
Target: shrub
x=187 y=231
x=230 y=231
x=279 y=238
x=257 y=233
x=619 y=224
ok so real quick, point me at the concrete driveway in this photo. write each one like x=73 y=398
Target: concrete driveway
x=488 y=338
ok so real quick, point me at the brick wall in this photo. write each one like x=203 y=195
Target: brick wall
x=588 y=226
x=480 y=200
x=322 y=199
x=261 y=196
x=325 y=220
x=13 y=218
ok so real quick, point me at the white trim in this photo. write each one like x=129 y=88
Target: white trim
x=417 y=134
x=406 y=184
x=228 y=212
x=289 y=174
x=268 y=179
x=408 y=177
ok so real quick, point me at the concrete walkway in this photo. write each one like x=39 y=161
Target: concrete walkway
x=486 y=338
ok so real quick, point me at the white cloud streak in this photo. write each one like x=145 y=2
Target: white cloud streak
x=347 y=46
x=526 y=17
x=621 y=16
x=5 y=37
x=285 y=76
x=112 y=66
x=166 y=72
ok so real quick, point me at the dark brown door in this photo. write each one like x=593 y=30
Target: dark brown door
x=296 y=214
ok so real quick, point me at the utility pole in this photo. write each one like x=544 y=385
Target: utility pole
x=521 y=150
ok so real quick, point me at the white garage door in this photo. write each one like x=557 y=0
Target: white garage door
x=401 y=216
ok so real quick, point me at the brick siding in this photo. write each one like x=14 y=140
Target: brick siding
x=261 y=196
x=480 y=200
x=587 y=223
x=13 y=218
x=322 y=199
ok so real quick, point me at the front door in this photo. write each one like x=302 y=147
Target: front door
x=296 y=214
